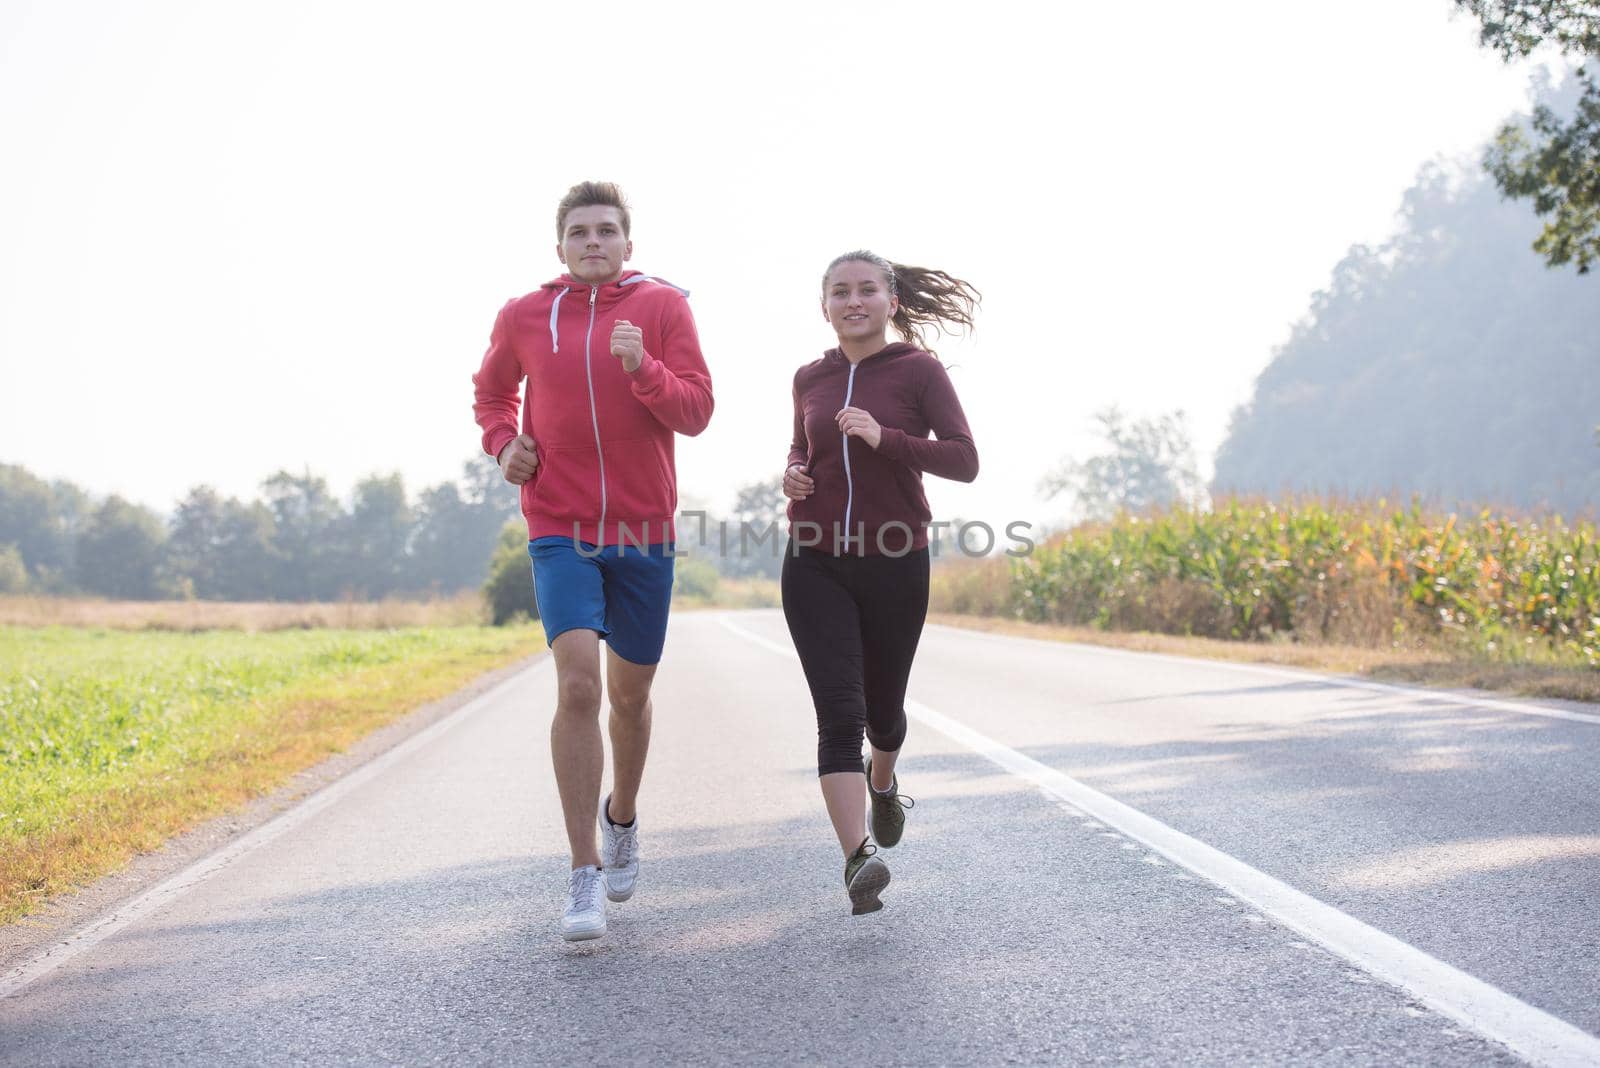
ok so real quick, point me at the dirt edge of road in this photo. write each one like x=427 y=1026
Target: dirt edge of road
x=1424 y=669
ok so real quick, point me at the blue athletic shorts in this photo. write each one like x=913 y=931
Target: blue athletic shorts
x=620 y=591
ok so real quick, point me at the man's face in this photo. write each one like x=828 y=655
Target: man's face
x=592 y=244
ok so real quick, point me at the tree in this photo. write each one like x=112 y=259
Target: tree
x=1150 y=464
x=219 y=549
x=438 y=541
x=13 y=574
x=305 y=526
x=458 y=526
x=1445 y=363
x=32 y=520
x=1552 y=160
x=120 y=551
x=376 y=533
x=245 y=558
x=755 y=531
x=509 y=587
x=193 y=535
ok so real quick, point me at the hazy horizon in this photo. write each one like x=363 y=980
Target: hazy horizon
x=245 y=241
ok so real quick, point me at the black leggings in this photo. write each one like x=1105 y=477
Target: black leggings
x=855 y=622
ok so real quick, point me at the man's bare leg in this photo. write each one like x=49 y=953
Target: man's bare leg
x=628 y=687
x=575 y=744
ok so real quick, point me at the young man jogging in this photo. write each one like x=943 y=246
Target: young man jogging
x=612 y=369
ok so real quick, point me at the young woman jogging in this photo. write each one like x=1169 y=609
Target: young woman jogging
x=855 y=576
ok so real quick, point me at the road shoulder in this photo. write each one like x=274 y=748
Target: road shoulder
x=26 y=938
x=1577 y=689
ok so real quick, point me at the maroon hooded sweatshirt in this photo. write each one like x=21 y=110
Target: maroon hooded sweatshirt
x=869 y=501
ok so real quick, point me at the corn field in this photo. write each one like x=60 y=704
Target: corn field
x=1508 y=586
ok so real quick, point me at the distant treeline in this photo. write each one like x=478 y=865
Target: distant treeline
x=1448 y=362
x=296 y=542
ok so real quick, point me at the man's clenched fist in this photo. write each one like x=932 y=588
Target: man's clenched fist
x=627 y=345
x=518 y=461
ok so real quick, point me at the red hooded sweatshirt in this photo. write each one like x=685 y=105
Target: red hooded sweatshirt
x=604 y=437
x=867 y=501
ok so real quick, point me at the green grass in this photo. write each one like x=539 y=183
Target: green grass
x=112 y=741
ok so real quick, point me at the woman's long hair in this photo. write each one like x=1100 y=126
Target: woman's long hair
x=928 y=298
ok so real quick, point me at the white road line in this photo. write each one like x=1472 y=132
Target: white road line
x=169 y=890
x=1418 y=692
x=1530 y=1033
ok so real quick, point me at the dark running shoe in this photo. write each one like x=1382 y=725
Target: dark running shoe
x=888 y=811
x=865 y=876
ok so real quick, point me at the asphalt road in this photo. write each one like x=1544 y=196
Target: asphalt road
x=1113 y=857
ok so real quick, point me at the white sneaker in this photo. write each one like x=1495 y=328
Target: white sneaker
x=619 y=854
x=586 y=908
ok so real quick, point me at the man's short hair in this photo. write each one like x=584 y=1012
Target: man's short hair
x=585 y=194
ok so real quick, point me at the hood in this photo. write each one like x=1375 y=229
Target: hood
x=610 y=293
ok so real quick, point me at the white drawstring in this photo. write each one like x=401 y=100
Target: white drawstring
x=555 y=306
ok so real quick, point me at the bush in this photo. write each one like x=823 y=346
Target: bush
x=509 y=589
x=695 y=579
x=976 y=587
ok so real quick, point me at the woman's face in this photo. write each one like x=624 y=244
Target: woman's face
x=856 y=301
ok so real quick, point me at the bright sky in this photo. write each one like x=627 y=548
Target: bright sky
x=236 y=238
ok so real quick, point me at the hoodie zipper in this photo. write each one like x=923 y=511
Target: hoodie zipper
x=849 y=479
x=594 y=416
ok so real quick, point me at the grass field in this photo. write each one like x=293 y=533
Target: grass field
x=112 y=741
x=466 y=609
